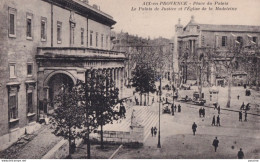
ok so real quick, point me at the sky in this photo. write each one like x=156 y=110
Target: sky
x=154 y=24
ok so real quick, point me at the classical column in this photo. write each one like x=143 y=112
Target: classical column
x=118 y=80
x=122 y=82
x=115 y=77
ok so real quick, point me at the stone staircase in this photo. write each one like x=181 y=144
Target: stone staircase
x=145 y=116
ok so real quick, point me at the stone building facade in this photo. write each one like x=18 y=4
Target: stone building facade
x=43 y=44
x=205 y=49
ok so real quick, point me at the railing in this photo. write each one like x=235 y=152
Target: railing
x=78 y=51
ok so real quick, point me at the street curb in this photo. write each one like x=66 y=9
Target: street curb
x=111 y=157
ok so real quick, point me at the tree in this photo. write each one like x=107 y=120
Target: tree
x=67 y=118
x=88 y=123
x=103 y=97
x=144 y=79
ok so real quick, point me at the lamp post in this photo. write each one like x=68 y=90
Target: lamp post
x=159 y=133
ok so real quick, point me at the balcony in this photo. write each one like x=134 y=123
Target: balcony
x=72 y=53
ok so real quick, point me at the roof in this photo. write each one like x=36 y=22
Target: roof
x=231 y=28
x=85 y=10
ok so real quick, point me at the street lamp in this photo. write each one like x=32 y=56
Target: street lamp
x=159 y=133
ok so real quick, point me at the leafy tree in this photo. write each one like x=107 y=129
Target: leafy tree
x=144 y=79
x=103 y=97
x=67 y=118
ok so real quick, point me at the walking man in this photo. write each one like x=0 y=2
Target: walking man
x=215 y=144
x=218 y=109
x=240 y=116
x=203 y=112
x=218 y=120
x=175 y=108
x=179 y=108
x=238 y=97
x=152 y=131
x=155 y=131
x=172 y=109
x=194 y=127
x=213 y=121
x=200 y=111
x=240 y=154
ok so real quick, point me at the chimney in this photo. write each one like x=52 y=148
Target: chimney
x=96 y=7
x=84 y=1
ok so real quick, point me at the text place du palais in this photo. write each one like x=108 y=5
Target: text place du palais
x=191 y=6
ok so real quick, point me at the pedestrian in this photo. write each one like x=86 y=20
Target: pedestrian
x=136 y=101
x=210 y=96
x=215 y=143
x=175 y=108
x=122 y=110
x=213 y=121
x=200 y=111
x=203 y=112
x=155 y=131
x=179 y=108
x=238 y=97
x=215 y=106
x=240 y=116
x=240 y=154
x=247 y=106
x=153 y=100
x=194 y=128
x=242 y=106
x=152 y=131
x=218 y=109
x=218 y=120
x=245 y=115
x=172 y=109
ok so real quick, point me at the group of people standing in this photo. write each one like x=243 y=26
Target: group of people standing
x=245 y=107
x=174 y=108
x=214 y=121
x=154 y=131
x=202 y=112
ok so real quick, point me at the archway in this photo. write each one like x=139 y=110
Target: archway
x=56 y=83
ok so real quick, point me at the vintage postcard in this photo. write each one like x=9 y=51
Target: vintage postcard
x=129 y=79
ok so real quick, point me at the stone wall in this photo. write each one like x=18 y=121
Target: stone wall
x=135 y=134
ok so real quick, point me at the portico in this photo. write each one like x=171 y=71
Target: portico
x=59 y=66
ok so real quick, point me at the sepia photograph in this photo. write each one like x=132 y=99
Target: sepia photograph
x=129 y=79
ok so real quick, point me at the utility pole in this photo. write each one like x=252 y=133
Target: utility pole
x=173 y=75
x=159 y=133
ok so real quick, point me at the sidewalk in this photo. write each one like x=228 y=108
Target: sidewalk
x=33 y=146
x=223 y=95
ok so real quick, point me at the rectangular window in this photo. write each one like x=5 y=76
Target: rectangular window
x=59 y=29
x=96 y=39
x=91 y=38
x=43 y=28
x=107 y=41
x=224 y=41
x=240 y=40
x=255 y=40
x=12 y=22
x=13 y=111
x=29 y=26
x=30 y=101
x=102 y=40
x=82 y=36
x=12 y=71
x=29 y=69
